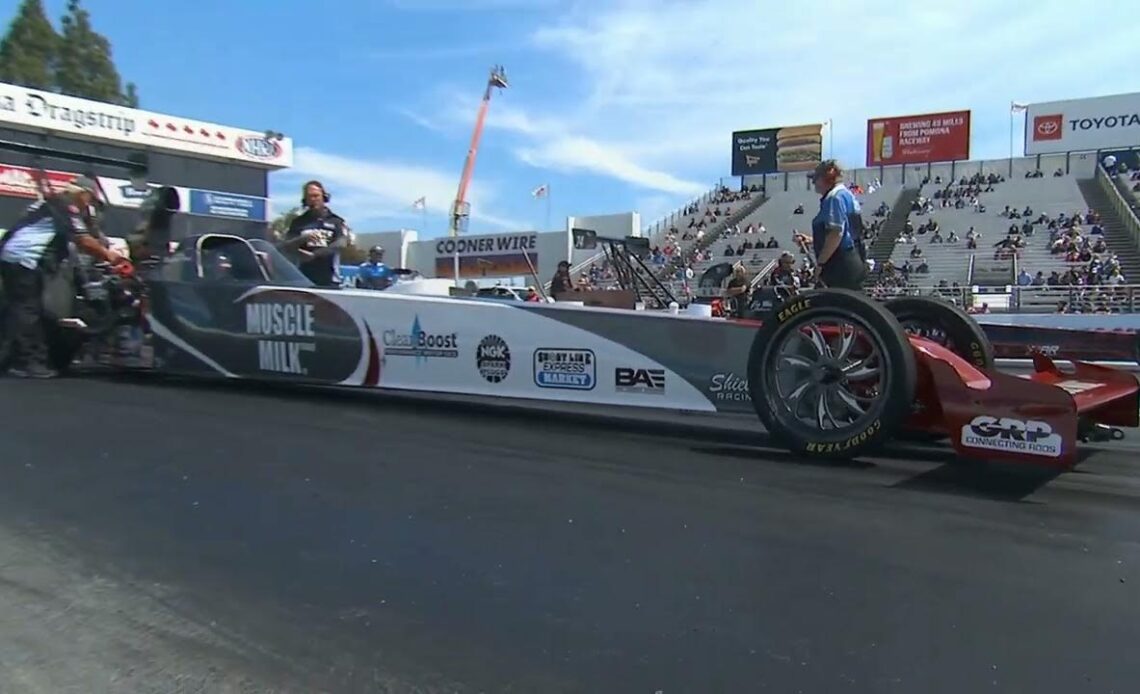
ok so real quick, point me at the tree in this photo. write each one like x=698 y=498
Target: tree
x=29 y=50
x=280 y=224
x=86 y=68
x=353 y=255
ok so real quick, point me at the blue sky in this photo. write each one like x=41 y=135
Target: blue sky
x=618 y=105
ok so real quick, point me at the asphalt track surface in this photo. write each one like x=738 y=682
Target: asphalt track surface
x=166 y=537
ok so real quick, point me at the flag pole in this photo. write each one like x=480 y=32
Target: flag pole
x=547 y=208
x=1011 y=131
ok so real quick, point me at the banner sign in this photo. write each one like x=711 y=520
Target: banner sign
x=20 y=182
x=920 y=139
x=776 y=150
x=211 y=204
x=1078 y=125
x=483 y=256
x=29 y=109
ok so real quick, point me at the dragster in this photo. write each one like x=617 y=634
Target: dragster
x=829 y=373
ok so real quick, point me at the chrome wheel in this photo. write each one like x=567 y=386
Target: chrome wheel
x=829 y=376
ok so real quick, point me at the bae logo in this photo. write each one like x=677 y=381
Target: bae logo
x=259 y=147
x=493 y=359
x=1048 y=127
x=1012 y=436
x=641 y=381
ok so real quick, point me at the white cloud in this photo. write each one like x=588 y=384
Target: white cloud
x=655 y=87
x=368 y=193
x=471 y=5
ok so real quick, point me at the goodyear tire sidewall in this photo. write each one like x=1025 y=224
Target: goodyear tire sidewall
x=968 y=338
x=890 y=340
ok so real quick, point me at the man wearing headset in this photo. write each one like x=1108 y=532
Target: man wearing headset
x=316 y=237
x=837 y=231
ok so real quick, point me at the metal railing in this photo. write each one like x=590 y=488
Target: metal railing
x=1123 y=208
x=1121 y=298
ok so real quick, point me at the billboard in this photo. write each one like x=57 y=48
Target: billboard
x=919 y=139
x=213 y=204
x=776 y=150
x=1077 y=125
x=30 y=109
x=20 y=182
x=495 y=255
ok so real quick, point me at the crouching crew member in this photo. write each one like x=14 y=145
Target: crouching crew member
x=32 y=251
x=316 y=236
x=837 y=231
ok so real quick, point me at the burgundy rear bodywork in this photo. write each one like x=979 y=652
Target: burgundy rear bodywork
x=1034 y=419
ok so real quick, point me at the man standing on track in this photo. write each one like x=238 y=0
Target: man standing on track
x=316 y=236
x=837 y=231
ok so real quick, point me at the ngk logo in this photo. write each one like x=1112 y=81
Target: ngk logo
x=1012 y=435
x=1048 y=127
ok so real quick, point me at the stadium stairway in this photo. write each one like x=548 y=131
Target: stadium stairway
x=1115 y=233
x=884 y=245
x=716 y=231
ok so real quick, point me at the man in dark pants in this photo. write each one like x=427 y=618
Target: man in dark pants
x=316 y=236
x=32 y=249
x=837 y=231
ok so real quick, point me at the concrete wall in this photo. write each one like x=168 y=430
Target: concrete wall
x=490 y=256
x=396 y=244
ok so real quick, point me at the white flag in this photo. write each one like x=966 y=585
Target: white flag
x=420 y=204
x=1015 y=107
x=541 y=191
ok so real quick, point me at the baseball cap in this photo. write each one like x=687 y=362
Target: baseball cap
x=84 y=183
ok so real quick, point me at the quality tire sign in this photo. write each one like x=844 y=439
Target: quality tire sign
x=1083 y=125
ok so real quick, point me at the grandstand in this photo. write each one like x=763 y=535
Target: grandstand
x=697 y=235
x=762 y=217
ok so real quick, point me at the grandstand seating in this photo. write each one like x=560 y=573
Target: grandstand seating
x=780 y=223
x=1050 y=185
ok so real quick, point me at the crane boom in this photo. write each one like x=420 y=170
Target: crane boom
x=460 y=209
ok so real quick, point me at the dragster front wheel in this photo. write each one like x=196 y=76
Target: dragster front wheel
x=831 y=374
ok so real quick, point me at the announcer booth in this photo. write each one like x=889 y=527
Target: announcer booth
x=221 y=172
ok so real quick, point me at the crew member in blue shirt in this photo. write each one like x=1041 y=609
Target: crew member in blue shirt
x=837 y=231
x=374 y=274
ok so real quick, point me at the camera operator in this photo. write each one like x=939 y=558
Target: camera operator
x=738 y=292
x=31 y=252
x=316 y=236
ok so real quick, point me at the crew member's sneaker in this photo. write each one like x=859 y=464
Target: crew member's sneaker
x=32 y=372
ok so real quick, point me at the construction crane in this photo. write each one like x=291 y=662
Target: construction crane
x=461 y=209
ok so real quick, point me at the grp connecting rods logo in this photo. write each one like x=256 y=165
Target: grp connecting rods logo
x=1012 y=436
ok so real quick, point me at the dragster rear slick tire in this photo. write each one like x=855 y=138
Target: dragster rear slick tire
x=893 y=397
x=964 y=335
x=63 y=346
